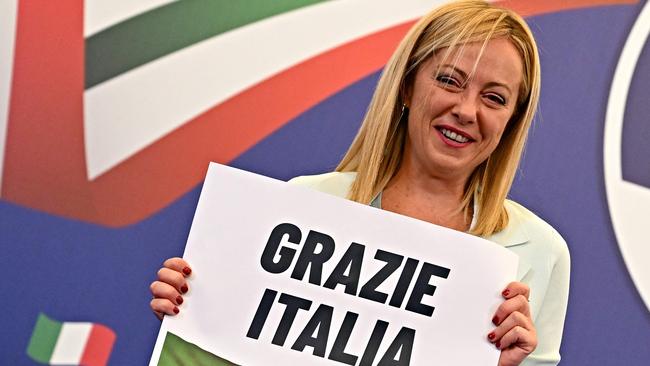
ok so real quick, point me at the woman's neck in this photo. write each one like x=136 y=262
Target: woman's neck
x=429 y=198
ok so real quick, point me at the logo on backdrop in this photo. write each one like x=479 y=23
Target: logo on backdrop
x=70 y=343
x=627 y=154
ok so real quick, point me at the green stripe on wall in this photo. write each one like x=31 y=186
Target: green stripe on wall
x=171 y=27
x=41 y=345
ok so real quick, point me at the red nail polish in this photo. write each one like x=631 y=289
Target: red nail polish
x=505 y=293
x=498 y=344
x=491 y=336
x=184 y=289
x=187 y=270
x=176 y=310
x=495 y=320
x=179 y=300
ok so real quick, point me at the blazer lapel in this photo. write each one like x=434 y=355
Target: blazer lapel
x=514 y=234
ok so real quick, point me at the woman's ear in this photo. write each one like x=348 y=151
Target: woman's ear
x=406 y=91
x=405 y=94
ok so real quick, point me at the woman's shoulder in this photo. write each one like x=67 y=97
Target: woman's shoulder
x=539 y=232
x=334 y=183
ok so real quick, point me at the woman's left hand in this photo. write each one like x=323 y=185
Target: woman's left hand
x=515 y=333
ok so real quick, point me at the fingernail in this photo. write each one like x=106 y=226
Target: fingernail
x=179 y=300
x=187 y=270
x=176 y=310
x=505 y=293
x=498 y=344
x=491 y=336
x=184 y=289
x=495 y=320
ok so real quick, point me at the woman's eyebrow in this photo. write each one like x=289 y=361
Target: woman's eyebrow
x=455 y=69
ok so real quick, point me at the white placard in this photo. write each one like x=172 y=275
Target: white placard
x=258 y=298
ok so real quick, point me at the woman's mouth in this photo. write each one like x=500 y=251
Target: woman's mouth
x=453 y=138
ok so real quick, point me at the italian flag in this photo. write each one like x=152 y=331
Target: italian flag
x=70 y=343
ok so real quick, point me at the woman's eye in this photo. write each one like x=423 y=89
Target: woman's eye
x=496 y=98
x=447 y=80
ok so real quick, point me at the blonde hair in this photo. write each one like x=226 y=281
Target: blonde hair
x=376 y=152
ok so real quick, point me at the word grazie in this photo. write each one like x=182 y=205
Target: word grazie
x=318 y=248
x=303 y=257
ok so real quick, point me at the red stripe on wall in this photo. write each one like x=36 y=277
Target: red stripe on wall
x=44 y=164
x=532 y=7
x=99 y=346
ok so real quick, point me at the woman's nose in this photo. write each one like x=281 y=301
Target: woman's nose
x=465 y=108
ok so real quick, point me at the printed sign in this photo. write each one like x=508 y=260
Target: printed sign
x=283 y=274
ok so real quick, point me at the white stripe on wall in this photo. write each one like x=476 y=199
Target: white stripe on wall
x=628 y=202
x=8 y=14
x=101 y=14
x=70 y=344
x=131 y=111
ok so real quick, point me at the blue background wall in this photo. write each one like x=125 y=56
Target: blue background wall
x=78 y=271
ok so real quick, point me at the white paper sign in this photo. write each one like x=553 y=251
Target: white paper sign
x=284 y=275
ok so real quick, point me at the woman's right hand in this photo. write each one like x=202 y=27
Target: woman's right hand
x=168 y=290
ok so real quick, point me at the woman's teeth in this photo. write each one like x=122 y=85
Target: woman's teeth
x=453 y=136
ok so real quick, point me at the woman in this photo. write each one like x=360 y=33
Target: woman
x=441 y=142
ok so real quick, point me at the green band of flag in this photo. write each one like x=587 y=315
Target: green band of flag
x=169 y=28
x=41 y=345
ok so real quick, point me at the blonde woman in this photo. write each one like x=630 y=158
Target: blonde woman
x=441 y=142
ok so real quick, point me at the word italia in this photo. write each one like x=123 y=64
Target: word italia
x=316 y=332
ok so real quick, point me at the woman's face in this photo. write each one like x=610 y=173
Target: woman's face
x=458 y=114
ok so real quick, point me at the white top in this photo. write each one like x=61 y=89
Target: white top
x=544 y=264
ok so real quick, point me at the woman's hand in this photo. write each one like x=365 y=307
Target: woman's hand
x=515 y=333
x=167 y=291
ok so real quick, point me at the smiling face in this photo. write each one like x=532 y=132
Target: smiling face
x=459 y=108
